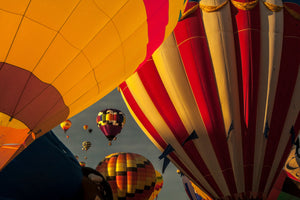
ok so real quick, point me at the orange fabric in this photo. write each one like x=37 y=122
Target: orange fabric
x=12 y=142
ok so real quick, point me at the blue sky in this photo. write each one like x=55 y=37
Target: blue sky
x=132 y=139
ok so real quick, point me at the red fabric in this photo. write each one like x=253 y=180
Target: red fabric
x=32 y=104
x=190 y=35
x=165 y=107
x=289 y=68
x=146 y=123
x=247 y=40
x=157 y=18
x=277 y=186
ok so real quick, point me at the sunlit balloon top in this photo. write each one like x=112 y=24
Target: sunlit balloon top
x=59 y=57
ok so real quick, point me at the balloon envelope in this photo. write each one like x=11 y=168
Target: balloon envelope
x=110 y=122
x=131 y=176
x=158 y=185
x=59 y=57
x=220 y=96
x=66 y=125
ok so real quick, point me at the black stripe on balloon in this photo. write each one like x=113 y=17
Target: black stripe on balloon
x=138 y=191
x=111 y=178
x=131 y=169
x=121 y=173
x=130 y=194
x=140 y=165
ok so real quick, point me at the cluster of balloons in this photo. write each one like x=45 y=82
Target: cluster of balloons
x=86 y=145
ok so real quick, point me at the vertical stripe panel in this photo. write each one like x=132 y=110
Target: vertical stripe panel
x=248 y=51
x=171 y=70
x=216 y=93
x=165 y=107
x=271 y=44
x=134 y=95
x=285 y=145
x=289 y=69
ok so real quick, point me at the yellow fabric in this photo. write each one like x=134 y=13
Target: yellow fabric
x=12 y=142
x=83 y=48
x=273 y=7
x=208 y=8
x=200 y=192
x=85 y=56
x=244 y=5
x=188 y=12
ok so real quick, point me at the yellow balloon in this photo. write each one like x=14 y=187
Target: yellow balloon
x=59 y=57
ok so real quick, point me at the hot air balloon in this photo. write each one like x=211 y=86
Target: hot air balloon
x=85 y=127
x=59 y=57
x=82 y=164
x=130 y=175
x=158 y=185
x=220 y=97
x=66 y=125
x=110 y=122
x=86 y=145
x=193 y=192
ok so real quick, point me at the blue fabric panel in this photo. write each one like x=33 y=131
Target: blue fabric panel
x=46 y=169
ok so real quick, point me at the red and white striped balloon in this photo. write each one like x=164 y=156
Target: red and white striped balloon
x=229 y=76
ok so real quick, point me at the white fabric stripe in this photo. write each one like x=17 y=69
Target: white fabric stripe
x=289 y=122
x=271 y=45
x=219 y=32
x=170 y=67
x=143 y=100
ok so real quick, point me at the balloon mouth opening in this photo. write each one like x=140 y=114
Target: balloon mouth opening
x=110 y=137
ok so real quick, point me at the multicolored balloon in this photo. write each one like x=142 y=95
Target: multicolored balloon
x=86 y=145
x=82 y=164
x=158 y=185
x=221 y=95
x=59 y=57
x=193 y=191
x=66 y=125
x=110 y=122
x=131 y=176
x=85 y=127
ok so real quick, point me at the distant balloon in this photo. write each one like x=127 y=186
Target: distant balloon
x=86 y=145
x=131 y=176
x=90 y=130
x=158 y=185
x=193 y=191
x=85 y=127
x=110 y=122
x=82 y=164
x=66 y=125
